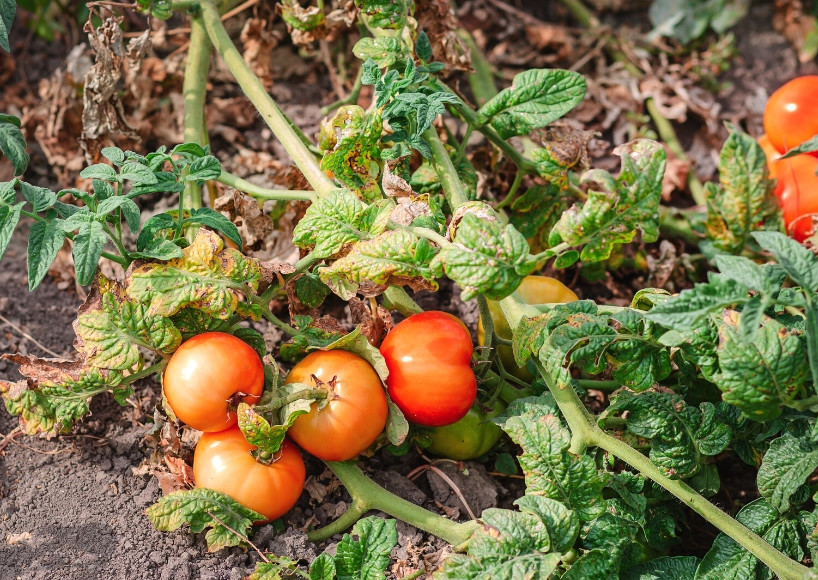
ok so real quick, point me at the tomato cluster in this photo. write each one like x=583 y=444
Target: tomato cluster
x=790 y=118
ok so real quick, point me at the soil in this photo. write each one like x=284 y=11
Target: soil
x=72 y=507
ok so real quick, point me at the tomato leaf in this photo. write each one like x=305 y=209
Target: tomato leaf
x=191 y=321
x=808 y=146
x=536 y=211
x=89 y=244
x=355 y=342
x=616 y=207
x=368 y=556
x=551 y=470
x=213 y=219
x=676 y=567
x=9 y=218
x=788 y=463
x=761 y=374
x=209 y=277
x=744 y=202
x=204 y=508
x=534 y=99
x=100 y=171
x=204 y=169
x=384 y=50
x=111 y=329
x=44 y=241
x=138 y=174
x=310 y=290
x=690 y=307
x=277 y=568
x=322 y=568
x=56 y=392
x=12 y=142
x=350 y=143
x=389 y=14
x=397 y=427
x=254 y=338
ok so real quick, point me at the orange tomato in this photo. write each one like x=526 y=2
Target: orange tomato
x=205 y=372
x=223 y=462
x=791 y=114
x=355 y=413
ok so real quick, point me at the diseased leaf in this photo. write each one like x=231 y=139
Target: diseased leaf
x=485 y=258
x=536 y=211
x=534 y=99
x=367 y=557
x=682 y=437
x=202 y=508
x=550 y=470
x=350 y=143
x=616 y=207
x=759 y=375
x=209 y=277
x=191 y=321
x=389 y=14
x=384 y=50
x=311 y=291
x=278 y=568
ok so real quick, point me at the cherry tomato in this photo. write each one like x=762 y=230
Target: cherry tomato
x=355 y=413
x=223 y=462
x=430 y=376
x=474 y=435
x=791 y=114
x=797 y=188
x=205 y=372
x=534 y=290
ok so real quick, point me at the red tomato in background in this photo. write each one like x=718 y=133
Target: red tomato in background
x=355 y=414
x=223 y=462
x=791 y=114
x=205 y=372
x=430 y=375
x=797 y=188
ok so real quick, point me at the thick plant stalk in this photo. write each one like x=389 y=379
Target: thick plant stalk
x=585 y=432
x=368 y=495
x=452 y=188
x=267 y=107
x=259 y=192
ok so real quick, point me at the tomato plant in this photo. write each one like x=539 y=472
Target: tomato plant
x=222 y=462
x=791 y=113
x=430 y=375
x=534 y=290
x=472 y=436
x=205 y=372
x=353 y=413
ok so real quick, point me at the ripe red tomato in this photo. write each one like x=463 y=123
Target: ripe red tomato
x=791 y=114
x=797 y=188
x=205 y=372
x=223 y=462
x=430 y=375
x=356 y=411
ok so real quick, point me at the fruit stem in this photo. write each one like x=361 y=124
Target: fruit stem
x=311 y=393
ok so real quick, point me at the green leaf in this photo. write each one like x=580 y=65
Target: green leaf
x=786 y=466
x=759 y=375
x=727 y=560
x=485 y=258
x=371 y=73
x=664 y=568
x=99 y=171
x=277 y=568
x=110 y=330
x=44 y=241
x=392 y=258
x=367 y=557
x=204 y=508
x=594 y=564
x=389 y=14
x=322 y=568
x=423 y=48
x=800 y=263
x=12 y=142
x=553 y=472
x=9 y=218
x=129 y=209
x=191 y=321
x=114 y=154
x=562 y=524
x=89 y=244
x=748 y=273
x=808 y=146
x=189 y=149
x=7 y=10
x=745 y=201
x=40 y=197
x=682 y=437
x=397 y=427
x=159 y=250
x=536 y=211
x=138 y=173
x=213 y=219
x=357 y=343
x=204 y=169
x=384 y=50
x=616 y=207
x=534 y=99
x=209 y=277
x=152 y=227
x=310 y=290
x=689 y=308
x=254 y=338
x=332 y=222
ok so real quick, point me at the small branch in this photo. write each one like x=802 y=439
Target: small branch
x=442 y=163
x=126 y=261
x=267 y=107
x=579 y=11
x=281 y=325
x=512 y=193
x=487 y=322
x=259 y=192
x=424 y=233
x=312 y=394
x=349 y=517
x=604 y=386
x=154 y=368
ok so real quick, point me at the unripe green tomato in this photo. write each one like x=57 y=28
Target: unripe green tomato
x=534 y=290
x=474 y=435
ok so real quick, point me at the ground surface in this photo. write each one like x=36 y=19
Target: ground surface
x=72 y=508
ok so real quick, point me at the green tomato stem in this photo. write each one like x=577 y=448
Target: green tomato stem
x=280 y=324
x=585 y=432
x=259 y=192
x=368 y=495
x=512 y=193
x=154 y=368
x=119 y=245
x=313 y=394
x=443 y=166
x=267 y=107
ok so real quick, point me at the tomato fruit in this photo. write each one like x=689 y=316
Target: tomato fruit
x=355 y=412
x=430 y=375
x=223 y=462
x=534 y=290
x=474 y=435
x=205 y=372
x=797 y=188
x=791 y=114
